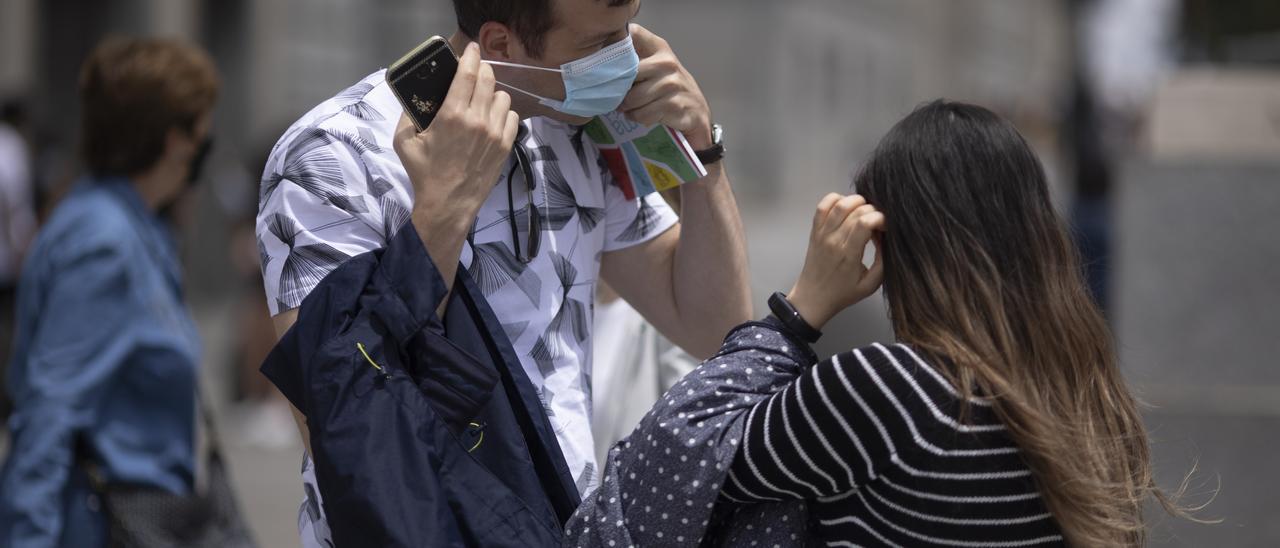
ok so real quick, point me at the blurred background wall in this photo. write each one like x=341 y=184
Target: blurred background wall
x=1158 y=122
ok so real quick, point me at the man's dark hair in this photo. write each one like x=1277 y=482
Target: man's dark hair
x=530 y=19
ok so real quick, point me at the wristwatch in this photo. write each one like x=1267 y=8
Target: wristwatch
x=716 y=152
x=790 y=317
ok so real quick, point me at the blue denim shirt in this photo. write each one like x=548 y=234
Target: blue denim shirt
x=105 y=359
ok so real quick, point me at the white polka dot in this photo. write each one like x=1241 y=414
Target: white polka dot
x=675 y=477
x=759 y=336
x=695 y=483
x=612 y=543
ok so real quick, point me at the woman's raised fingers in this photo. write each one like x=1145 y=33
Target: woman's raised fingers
x=824 y=208
x=841 y=211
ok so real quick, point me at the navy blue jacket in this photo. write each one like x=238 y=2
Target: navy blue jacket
x=424 y=432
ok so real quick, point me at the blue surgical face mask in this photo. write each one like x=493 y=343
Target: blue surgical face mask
x=593 y=85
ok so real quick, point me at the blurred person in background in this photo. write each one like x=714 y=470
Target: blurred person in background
x=104 y=373
x=17 y=219
x=1122 y=50
x=998 y=417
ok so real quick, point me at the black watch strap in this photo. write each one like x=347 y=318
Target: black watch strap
x=716 y=152
x=790 y=317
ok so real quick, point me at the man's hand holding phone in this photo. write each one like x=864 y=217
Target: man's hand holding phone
x=455 y=163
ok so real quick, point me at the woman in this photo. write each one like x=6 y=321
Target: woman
x=998 y=418
x=103 y=376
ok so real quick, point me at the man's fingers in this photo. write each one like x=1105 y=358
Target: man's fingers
x=482 y=98
x=499 y=108
x=510 y=129
x=647 y=43
x=645 y=92
x=649 y=115
x=464 y=81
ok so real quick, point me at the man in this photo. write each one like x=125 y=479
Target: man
x=333 y=189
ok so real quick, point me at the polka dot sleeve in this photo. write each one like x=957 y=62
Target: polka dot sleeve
x=662 y=484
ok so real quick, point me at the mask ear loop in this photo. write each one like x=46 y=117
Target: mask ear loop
x=541 y=99
x=517 y=65
x=530 y=94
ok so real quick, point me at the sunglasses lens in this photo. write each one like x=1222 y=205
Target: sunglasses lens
x=535 y=232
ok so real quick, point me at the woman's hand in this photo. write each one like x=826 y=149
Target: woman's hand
x=834 y=277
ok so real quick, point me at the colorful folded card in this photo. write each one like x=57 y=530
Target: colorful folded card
x=644 y=159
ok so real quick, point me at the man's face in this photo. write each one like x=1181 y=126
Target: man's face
x=579 y=29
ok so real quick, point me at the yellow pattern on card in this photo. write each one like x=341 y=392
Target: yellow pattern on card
x=663 y=178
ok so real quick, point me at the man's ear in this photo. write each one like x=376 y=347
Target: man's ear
x=498 y=42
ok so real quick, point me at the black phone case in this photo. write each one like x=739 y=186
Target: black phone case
x=422 y=81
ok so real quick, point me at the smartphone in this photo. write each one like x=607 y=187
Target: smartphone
x=421 y=79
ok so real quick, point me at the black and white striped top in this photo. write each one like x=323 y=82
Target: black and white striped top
x=873 y=440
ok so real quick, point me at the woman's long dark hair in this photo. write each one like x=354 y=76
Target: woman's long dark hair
x=981 y=275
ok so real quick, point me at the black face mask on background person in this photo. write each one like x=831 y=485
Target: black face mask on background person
x=194 y=170
x=197 y=162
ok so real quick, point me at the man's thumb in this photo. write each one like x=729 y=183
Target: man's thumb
x=646 y=42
